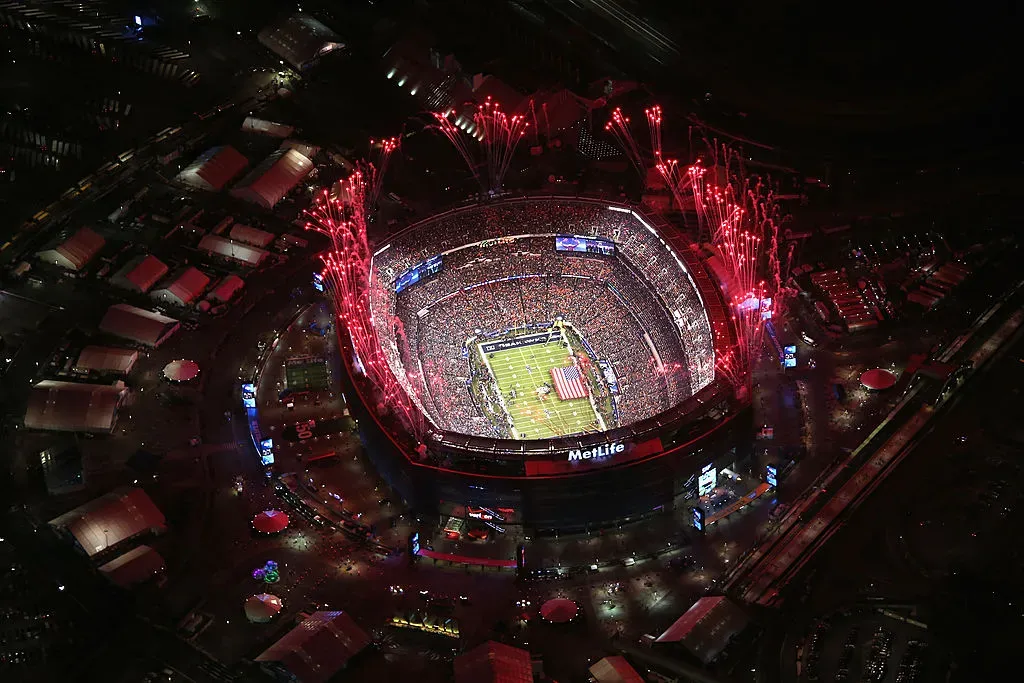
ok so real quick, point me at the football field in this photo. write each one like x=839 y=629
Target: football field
x=537 y=416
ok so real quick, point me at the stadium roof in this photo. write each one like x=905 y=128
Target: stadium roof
x=493 y=662
x=73 y=407
x=268 y=183
x=221 y=246
x=276 y=130
x=319 y=647
x=226 y=288
x=76 y=252
x=138 y=325
x=106 y=359
x=135 y=566
x=614 y=670
x=214 y=168
x=253 y=236
x=707 y=627
x=140 y=275
x=185 y=288
x=110 y=519
x=300 y=40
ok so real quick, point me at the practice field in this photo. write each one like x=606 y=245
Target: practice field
x=533 y=416
x=307 y=373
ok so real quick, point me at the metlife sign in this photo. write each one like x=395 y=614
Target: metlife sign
x=602 y=452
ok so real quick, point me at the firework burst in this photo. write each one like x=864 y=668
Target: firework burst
x=341 y=216
x=618 y=126
x=374 y=169
x=487 y=141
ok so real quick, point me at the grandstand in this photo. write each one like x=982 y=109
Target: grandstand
x=629 y=307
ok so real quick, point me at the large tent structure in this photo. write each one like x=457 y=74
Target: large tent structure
x=268 y=183
x=181 y=371
x=559 y=610
x=494 y=662
x=236 y=251
x=270 y=522
x=138 y=325
x=133 y=567
x=226 y=289
x=264 y=127
x=249 y=235
x=300 y=40
x=106 y=359
x=614 y=670
x=76 y=252
x=707 y=627
x=878 y=379
x=214 y=168
x=185 y=288
x=73 y=407
x=317 y=648
x=111 y=519
x=261 y=608
x=140 y=275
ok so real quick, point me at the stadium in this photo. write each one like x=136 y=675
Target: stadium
x=561 y=355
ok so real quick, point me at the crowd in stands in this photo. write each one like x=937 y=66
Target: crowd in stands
x=660 y=350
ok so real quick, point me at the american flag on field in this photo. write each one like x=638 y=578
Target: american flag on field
x=568 y=383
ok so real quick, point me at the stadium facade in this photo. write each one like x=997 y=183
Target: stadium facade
x=669 y=425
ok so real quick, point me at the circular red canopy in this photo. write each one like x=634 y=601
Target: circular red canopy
x=262 y=608
x=878 y=379
x=270 y=522
x=559 y=610
x=181 y=370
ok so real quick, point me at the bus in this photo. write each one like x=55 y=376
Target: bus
x=125 y=156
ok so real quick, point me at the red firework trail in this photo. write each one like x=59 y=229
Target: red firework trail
x=497 y=136
x=618 y=126
x=742 y=221
x=341 y=216
x=373 y=170
x=501 y=135
x=654 y=128
x=453 y=131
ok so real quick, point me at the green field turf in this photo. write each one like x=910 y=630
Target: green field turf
x=528 y=409
x=310 y=375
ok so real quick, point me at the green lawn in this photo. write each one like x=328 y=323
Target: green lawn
x=307 y=375
x=535 y=417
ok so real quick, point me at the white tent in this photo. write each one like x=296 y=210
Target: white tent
x=106 y=359
x=73 y=407
x=140 y=275
x=221 y=246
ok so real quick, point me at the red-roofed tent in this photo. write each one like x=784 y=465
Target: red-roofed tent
x=268 y=183
x=141 y=275
x=111 y=519
x=75 y=253
x=317 y=648
x=214 y=169
x=494 y=662
x=707 y=627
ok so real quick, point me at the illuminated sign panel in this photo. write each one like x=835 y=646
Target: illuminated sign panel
x=707 y=481
x=789 y=357
x=698 y=519
x=584 y=245
x=599 y=453
x=771 y=475
x=249 y=395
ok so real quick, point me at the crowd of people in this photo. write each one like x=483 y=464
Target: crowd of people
x=510 y=276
